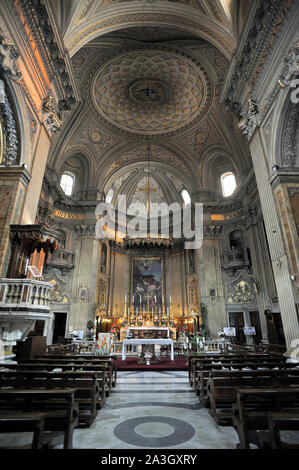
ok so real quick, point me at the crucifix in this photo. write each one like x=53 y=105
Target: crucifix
x=148 y=190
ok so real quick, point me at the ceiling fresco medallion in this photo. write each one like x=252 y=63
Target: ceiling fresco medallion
x=149 y=92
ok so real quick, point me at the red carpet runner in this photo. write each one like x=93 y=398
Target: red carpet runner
x=179 y=363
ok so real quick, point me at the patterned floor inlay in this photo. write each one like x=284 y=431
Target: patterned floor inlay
x=177 y=431
x=147 y=410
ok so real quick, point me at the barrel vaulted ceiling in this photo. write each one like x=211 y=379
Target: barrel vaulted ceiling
x=150 y=73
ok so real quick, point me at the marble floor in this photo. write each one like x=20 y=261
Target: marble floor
x=148 y=410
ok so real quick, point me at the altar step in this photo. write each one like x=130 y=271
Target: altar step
x=131 y=364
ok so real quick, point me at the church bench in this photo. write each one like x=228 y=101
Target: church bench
x=230 y=362
x=194 y=359
x=24 y=422
x=103 y=380
x=205 y=375
x=236 y=366
x=222 y=391
x=277 y=424
x=81 y=364
x=85 y=383
x=84 y=360
x=253 y=408
x=59 y=406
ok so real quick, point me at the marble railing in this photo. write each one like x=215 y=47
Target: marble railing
x=24 y=293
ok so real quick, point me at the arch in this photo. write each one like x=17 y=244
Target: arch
x=19 y=112
x=125 y=16
x=119 y=161
x=284 y=132
x=76 y=163
x=215 y=162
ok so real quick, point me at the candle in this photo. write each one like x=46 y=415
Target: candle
x=170 y=299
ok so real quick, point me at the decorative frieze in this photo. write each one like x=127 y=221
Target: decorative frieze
x=10 y=128
x=289 y=145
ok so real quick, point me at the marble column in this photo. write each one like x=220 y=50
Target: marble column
x=278 y=252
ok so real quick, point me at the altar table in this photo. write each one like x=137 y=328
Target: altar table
x=133 y=342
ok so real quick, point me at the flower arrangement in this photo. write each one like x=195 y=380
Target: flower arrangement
x=148 y=353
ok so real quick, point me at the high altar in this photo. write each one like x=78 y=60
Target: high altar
x=146 y=293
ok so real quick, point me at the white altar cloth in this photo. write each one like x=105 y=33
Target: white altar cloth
x=127 y=342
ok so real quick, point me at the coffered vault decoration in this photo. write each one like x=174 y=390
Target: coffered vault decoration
x=150 y=92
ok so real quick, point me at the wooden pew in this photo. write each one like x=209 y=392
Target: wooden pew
x=85 y=357
x=222 y=391
x=229 y=362
x=253 y=408
x=275 y=425
x=85 y=384
x=99 y=370
x=205 y=375
x=193 y=361
x=84 y=363
x=204 y=370
x=24 y=422
x=59 y=406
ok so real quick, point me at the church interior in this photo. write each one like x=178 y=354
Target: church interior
x=149 y=222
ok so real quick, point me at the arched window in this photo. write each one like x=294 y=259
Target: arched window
x=109 y=196
x=67 y=183
x=228 y=183
x=186 y=197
